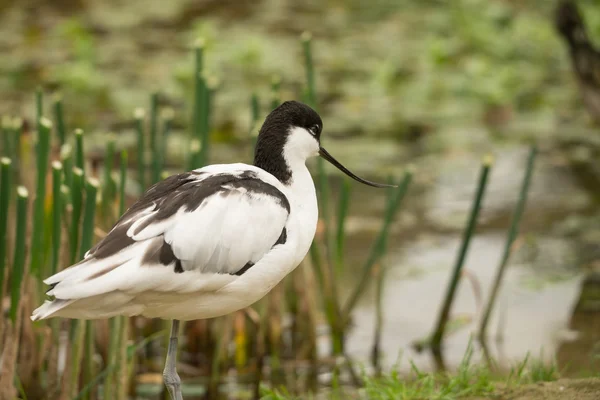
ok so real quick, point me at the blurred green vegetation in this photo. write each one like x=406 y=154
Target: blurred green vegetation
x=387 y=67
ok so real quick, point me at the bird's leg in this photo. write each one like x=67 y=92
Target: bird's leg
x=170 y=377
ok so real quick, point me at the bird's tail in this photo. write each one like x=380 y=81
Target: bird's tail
x=49 y=308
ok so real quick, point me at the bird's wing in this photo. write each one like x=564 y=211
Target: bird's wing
x=215 y=223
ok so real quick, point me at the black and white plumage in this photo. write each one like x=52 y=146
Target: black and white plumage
x=206 y=242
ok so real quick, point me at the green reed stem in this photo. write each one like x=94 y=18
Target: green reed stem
x=113 y=352
x=122 y=181
x=87 y=238
x=254 y=116
x=167 y=118
x=66 y=157
x=438 y=335
x=7 y=135
x=77 y=204
x=87 y=231
x=18 y=130
x=210 y=86
x=18 y=268
x=79 y=151
x=510 y=238
x=57 y=208
x=129 y=353
x=380 y=245
x=139 y=115
x=77 y=345
x=43 y=152
x=5 y=193
x=199 y=89
x=155 y=147
x=275 y=91
x=109 y=189
x=121 y=323
x=59 y=119
x=344 y=203
x=39 y=105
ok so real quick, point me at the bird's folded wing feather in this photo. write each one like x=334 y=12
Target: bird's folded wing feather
x=194 y=231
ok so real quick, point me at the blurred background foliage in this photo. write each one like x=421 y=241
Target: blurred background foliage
x=386 y=68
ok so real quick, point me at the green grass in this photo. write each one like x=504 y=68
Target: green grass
x=469 y=380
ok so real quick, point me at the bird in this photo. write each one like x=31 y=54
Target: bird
x=206 y=242
x=584 y=57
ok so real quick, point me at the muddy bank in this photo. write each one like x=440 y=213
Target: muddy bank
x=563 y=389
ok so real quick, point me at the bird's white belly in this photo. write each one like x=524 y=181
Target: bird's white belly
x=241 y=292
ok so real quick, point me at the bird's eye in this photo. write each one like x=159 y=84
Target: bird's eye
x=315 y=130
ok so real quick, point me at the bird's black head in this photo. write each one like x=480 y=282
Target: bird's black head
x=568 y=21
x=292 y=114
x=290 y=134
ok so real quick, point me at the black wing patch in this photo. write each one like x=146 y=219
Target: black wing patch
x=170 y=195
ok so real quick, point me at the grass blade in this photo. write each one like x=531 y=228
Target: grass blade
x=18 y=268
x=436 y=338
x=512 y=234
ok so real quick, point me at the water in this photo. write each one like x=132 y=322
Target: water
x=541 y=287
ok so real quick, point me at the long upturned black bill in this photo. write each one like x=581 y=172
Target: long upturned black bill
x=323 y=153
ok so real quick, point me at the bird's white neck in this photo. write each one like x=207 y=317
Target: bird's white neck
x=301 y=193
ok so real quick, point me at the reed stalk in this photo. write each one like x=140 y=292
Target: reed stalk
x=437 y=337
x=380 y=245
x=254 y=117
x=275 y=91
x=5 y=193
x=18 y=267
x=121 y=323
x=87 y=238
x=167 y=117
x=18 y=130
x=199 y=90
x=210 y=86
x=39 y=105
x=311 y=100
x=154 y=140
x=122 y=181
x=343 y=205
x=66 y=158
x=510 y=238
x=7 y=136
x=57 y=209
x=79 y=150
x=77 y=205
x=59 y=119
x=42 y=155
x=109 y=189
x=139 y=116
